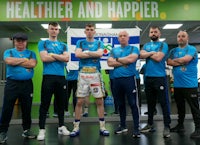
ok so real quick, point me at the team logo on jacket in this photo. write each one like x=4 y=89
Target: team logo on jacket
x=161 y=87
x=107 y=49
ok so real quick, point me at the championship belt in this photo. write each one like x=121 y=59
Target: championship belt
x=89 y=69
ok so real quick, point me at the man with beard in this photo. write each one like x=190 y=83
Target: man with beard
x=184 y=60
x=155 y=53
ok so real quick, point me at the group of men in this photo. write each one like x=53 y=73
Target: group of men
x=184 y=60
x=54 y=55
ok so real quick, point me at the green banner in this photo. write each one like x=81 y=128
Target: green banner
x=99 y=10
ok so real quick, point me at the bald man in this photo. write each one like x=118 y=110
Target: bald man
x=123 y=59
x=184 y=60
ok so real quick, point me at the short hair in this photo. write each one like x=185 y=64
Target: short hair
x=184 y=32
x=155 y=27
x=90 y=25
x=55 y=24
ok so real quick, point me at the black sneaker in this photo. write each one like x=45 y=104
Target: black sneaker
x=148 y=128
x=178 y=128
x=121 y=130
x=85 y=114
x=104 y=132
x=166 y=132
x=195 y=134
x=136 y=134
x=154 y=113
x=28 y=134
x=115 y=112
x=3 y=137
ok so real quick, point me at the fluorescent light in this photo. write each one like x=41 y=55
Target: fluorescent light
x=44 y=39
x=162 y=39
x=104 y=25
x=45 y=26
x=172 y=26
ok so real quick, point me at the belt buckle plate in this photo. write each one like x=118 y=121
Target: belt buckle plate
x=88 y=69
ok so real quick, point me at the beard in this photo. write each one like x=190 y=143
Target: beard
x=182 y=43
x=154 y=38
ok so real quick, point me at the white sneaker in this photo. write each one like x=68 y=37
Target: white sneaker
x=41 y=134
x=63 y=130
x=67 y=113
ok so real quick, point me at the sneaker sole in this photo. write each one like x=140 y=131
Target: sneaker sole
x=61 y=133
x=104 y=134
x=4 y=140
x=29 y=137
x=145 y=131
x=74 y=135
x=166 y=136
x=119 y=132
x=40 y=139
x=136 y=136
x=148 y=130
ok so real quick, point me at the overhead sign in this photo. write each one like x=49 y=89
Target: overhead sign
x=98 y=10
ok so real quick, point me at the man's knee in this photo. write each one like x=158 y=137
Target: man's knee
x=79 y=102
x=99 y=101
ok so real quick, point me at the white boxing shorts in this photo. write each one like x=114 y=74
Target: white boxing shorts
x=90 y=83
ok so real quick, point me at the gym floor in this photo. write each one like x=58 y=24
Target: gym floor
x=89 y=129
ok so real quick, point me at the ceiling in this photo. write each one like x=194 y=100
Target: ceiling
x=35 y=30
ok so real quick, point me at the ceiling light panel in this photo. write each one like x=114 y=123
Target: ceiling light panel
x=172 y=26
x=45 y=26
x=104 y=26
